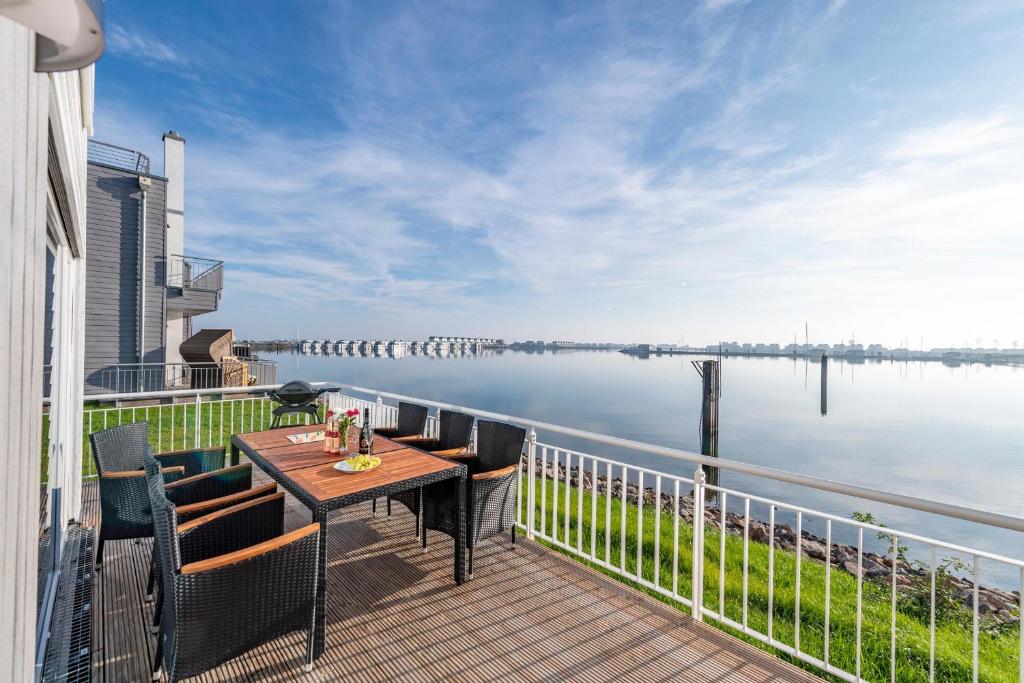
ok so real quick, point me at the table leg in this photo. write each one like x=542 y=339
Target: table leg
x=460 y=532
x=234 y=454
x=320 y=625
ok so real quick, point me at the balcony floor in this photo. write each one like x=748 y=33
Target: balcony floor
x=395 y=614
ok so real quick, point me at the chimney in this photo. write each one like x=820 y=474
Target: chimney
x=174 y=171
x=176 y=325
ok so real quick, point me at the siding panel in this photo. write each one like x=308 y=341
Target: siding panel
x=113 y=291
x=23 y=116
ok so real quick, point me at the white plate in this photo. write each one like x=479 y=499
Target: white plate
x=343 y=466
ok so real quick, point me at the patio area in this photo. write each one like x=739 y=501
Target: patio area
x=394 y=614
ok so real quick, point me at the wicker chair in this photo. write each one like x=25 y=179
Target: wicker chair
x=453 y=436
x=233 y=581
x=191 y=511
x=119 y=453
x=412 y=419
x=491 y=489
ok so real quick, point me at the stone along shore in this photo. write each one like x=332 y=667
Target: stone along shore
x=993 y=604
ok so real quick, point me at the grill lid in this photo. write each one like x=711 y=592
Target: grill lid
x=299 y=392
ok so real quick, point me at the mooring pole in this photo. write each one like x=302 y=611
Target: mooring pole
x=711 y=374
x=824 y=384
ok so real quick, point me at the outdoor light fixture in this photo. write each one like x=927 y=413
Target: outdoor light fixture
x=69 y=33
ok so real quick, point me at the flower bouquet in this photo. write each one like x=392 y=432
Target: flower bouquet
x=343 y=424
x=336 y=430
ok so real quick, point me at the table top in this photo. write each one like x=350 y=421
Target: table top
x=308 y=469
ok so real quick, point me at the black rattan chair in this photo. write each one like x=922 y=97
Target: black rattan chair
x=454 y=432
x=412 y=419
x=119 y=453
x=491 y=489
x=186 y=513
x=232 y=580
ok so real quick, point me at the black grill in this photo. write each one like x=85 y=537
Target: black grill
x=298 y=396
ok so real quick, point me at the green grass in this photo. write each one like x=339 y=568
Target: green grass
x=953 y=660
x=173 y=427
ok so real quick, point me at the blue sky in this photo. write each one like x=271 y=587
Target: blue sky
x=618 y=171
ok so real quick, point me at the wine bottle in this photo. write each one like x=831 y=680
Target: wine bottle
x=366 y=434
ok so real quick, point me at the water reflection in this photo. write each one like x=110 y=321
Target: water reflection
x=951 y=434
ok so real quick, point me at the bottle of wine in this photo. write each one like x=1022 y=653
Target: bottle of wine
x=366 y=434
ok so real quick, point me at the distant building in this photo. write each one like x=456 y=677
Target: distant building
x=483 y=341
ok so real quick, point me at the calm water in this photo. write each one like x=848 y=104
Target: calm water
x=922 y=429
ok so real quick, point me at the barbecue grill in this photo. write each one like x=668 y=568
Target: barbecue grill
x=297 y=396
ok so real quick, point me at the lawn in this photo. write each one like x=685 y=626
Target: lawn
x=173 y=427
x=999 y=652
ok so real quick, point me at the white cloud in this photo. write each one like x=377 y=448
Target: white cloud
x=141 y=46
x=958 y=138
x=600 y=190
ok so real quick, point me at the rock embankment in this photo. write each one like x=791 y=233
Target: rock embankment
x=997 y=605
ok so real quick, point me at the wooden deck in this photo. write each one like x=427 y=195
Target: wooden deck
x=395 y=614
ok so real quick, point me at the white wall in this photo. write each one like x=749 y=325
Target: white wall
x=174 y=171
x=23 y=114
x=28 y=102
x=175 y=334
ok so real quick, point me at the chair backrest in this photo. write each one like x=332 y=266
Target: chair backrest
x=120 y=448
x=165 y=518
x=412 y=419
x=498 y=445
x=454 y=430
x=165 y=545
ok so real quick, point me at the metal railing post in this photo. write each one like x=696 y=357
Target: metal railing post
x=531 y=469
x=198 y=408
x=697 y=592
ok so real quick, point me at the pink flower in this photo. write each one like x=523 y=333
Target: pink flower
x=352 y=412
x=330 y=414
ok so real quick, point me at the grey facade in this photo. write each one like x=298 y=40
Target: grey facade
x=117 y=296
x=141 y=292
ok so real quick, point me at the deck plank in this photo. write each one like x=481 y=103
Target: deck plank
x=529 y=614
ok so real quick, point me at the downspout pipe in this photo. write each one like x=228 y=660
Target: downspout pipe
x=144 y=185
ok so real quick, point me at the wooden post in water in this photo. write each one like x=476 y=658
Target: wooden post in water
x=711 y=374
x=824 y=384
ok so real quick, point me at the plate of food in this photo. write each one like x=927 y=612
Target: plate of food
x=358 y=463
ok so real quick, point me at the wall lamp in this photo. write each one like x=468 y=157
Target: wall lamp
x=69 y=33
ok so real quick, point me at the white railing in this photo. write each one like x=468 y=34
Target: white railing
x=182 y=419
x=582 y=504
x=724 y=554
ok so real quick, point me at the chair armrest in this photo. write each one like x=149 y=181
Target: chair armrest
x=171 y=474
x=460 y=453
x=216 y=484
x=192 y=511
x=414 y=439
x=233 y=528
x=495 y=474
x=389 y=432
x=252 y=552
x=195 y=460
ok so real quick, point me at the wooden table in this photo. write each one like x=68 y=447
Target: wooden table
x=308 y=474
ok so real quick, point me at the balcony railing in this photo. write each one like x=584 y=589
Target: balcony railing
x=190 y=272
x=118 y=157
x=128 y=378
x=844 y=602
